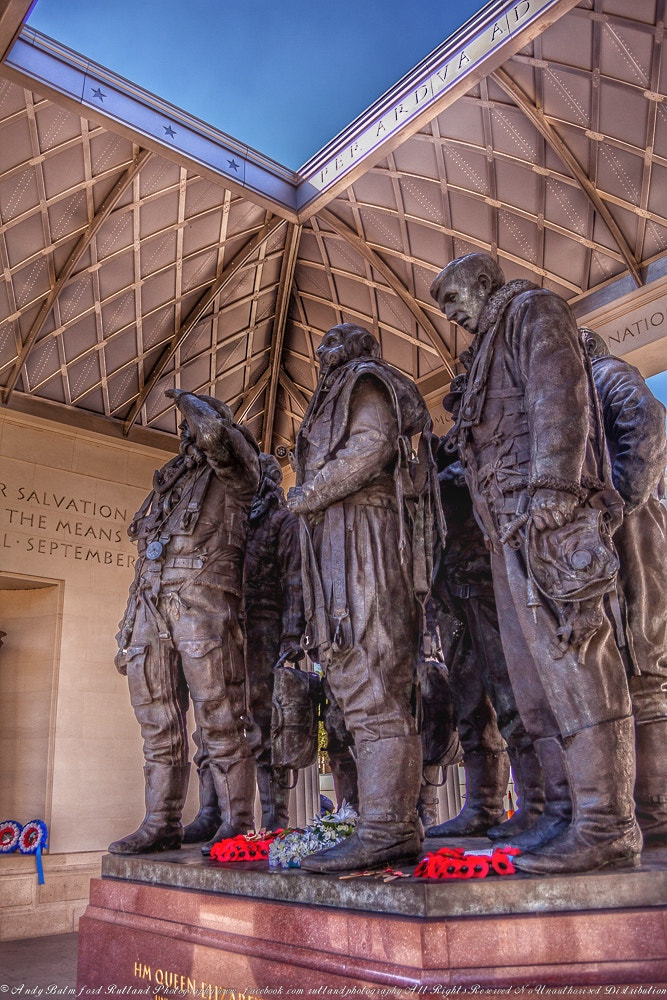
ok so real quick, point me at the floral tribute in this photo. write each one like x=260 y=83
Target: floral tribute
x=29 y=839
x=10 y=831
x=34 y=837
x=454 y=862
x=285 y=848
x=323 y=832
x=248 y=847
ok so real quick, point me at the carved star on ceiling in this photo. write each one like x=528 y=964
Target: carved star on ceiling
x=98 y=93
x=233 y=165
x=168 y=130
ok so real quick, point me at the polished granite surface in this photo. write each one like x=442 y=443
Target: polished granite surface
x=609 y=888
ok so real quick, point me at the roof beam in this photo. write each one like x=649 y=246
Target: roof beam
x=214 y=289
x=378 y=264
x=13 y=13
x=536 y=116
x=292 y=388
x=250 y=397
x=100 y=217
x=279 y=323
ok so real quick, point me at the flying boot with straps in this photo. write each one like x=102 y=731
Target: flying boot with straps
x=208 y=819
x=600 y=764
x=487 y=775
x=235 y=786
x=529 y=787
x=557 y=812
x=161 y=829
x=273 y=785
x=388 y=829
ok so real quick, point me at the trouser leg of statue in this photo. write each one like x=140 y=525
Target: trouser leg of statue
x=526 y=769
x=263 y=644
x=486 y=715
x=585 y=700
x=340 y=751
x=207 y=820
x=485 y=759
x=344 y=773
x=273 y=784
x=202 y=659
x=156 y=682
x=556 y=814
x=641 y=542
x=231 y=764
x=530 y=792
x=372 y=683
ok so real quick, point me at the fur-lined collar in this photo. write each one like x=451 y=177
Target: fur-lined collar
x=500 y=300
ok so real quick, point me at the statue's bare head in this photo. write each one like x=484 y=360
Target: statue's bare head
x=343 y=343
x=594 y=345
x=463 y=288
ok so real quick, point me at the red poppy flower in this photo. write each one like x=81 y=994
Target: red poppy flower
x=501 y=860
x=242 y=848
x=480 y=865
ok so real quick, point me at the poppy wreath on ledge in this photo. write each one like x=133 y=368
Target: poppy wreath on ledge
x=454 y=863
x=249 y=847
x=285 y=848
x=10 y=831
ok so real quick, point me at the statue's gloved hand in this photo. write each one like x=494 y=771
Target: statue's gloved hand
x=175 y=394
x=290 y=650
x=296 y=500
x=123 y=638
x=552 y=508
x=121 y=662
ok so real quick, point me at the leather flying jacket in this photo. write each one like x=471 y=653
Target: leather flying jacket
x=528 y=418
x=634 y=423
x=272 y=571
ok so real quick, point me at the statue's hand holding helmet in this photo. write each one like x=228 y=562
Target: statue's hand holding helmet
x=552 y=508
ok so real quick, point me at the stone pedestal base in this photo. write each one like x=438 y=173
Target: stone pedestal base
x=211 y=931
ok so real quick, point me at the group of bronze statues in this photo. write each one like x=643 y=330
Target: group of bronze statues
x=532 y=535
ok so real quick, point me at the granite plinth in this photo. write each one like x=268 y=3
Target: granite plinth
x=176 y=924
x=607 y=889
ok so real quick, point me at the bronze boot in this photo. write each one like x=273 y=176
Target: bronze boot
x=487 y=775
x=601 y=769
x=161 y=830
x=557 y=813
x=207 y=820
x=273 y=785
x=235 y=786
x=651 y=784
x=387 y=832
x=529 y=787
x=428 y=804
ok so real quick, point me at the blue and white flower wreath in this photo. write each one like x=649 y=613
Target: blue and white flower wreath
x=32 y=838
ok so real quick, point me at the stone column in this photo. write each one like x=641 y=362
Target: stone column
x=304 y=800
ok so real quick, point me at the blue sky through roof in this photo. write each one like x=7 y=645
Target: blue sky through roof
x=282 y=77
